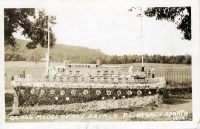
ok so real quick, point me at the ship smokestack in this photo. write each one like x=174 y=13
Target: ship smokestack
x=68 y=62
x=152 y=72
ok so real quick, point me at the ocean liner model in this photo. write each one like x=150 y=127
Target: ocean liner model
x=83 y=87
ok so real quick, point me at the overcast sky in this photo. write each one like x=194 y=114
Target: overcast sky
x=110 y=27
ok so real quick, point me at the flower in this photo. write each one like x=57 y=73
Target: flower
x=108 y=92
x=118 y=92
x=149 y=92
x=42 y=91
x=103 y=98
x=123 y=96
x=32 y=91
x=62 y=92
x=56 y=98
x=85 y=92
x=73 y=92
x=139 y=92
x=129 y=92
x=98 y=92
x=52 y=91
x=67 y=98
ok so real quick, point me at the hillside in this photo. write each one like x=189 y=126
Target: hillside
x=58 y=53
x=76 y=54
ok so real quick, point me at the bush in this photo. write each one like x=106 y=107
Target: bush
x=9 y=99
x=185 y=93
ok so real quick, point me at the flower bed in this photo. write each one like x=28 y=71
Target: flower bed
x=39 y=99
x=30 y=96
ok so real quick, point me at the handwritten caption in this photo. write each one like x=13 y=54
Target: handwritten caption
x=176 y=115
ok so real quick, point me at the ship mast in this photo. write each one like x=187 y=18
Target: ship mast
x=47 y=54
x=48 y=41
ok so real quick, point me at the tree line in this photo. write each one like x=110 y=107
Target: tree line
x=79 y=54
x=156 y=58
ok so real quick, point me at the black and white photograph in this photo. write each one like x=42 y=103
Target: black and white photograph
x=100 y=61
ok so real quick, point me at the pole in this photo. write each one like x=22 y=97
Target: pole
x=48 y=45
x=140 y=15
x=142 y=39
x=47 y=64
x=47 y=54
x=142 y=42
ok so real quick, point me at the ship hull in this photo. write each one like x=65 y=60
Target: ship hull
x=29 y=99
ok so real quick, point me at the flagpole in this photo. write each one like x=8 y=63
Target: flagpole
x=142 y=40
x=140 y=15
x=47 y=54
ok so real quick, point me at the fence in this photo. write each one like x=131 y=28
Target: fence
x=177 y=79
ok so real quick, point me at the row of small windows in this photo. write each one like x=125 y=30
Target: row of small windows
x=81 y=66
x=75 y=78
x=95 y=71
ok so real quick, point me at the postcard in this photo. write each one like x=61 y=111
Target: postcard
x=100 y=64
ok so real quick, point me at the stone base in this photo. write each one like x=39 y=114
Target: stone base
x=138 y=101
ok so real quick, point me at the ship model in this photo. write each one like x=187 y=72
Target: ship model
x=83 y=87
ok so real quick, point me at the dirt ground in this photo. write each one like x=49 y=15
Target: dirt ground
x=164 y=112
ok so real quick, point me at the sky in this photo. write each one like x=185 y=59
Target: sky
x=110 y=27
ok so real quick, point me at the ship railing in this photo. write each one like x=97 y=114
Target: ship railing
x=88 y=85
x=28 y=79
x=147 y=80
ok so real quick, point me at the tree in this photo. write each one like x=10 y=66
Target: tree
x=114 y=59
x=170 y=14
x=33 y=27
x=188 y=59
x=124 y=59
x=35 y=55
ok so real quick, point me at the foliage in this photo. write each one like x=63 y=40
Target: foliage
x=178 y=93
x=126 y=59
x=9 y=99
x=170 y=14
x=13 y=19
x=31 y=26
x=35 y=55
